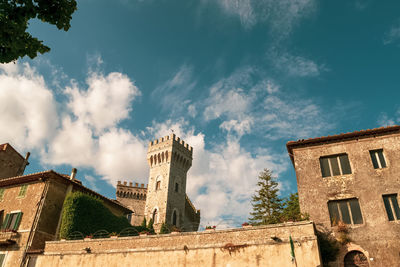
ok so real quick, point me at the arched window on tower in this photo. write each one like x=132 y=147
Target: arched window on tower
x=158 y=183
x=155 y=216
x=174 y=218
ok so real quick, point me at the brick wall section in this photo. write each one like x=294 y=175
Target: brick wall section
x=28 y=206
x=11 y=162
x=376 y=237
x=248 y=247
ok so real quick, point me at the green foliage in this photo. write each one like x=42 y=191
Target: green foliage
x=143 y=223
x=87 y=214
x=150 y=226
x=328 y=246
x=15 y=41
x=267 y=206
x=291 y=210
x=165 y=229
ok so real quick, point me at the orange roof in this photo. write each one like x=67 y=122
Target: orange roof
x=340 y=137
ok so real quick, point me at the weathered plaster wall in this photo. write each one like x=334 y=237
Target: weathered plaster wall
x=11 y=162
x=376 y=236
x=249 y=247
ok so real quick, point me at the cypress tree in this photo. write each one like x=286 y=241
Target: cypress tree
x=267 y=206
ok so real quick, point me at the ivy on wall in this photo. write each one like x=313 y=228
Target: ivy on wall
x=87 y=214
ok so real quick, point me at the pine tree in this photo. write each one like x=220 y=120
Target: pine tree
x=267 y=206
x=144 y=223
x=291 y=210
x=164 y=229
x=150 y=226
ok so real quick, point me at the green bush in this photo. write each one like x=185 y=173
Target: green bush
x=165 y=229
x=88 y=214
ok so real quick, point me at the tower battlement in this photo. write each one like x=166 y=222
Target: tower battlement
x=125 y=190
x=170 y=148
x=169 y=140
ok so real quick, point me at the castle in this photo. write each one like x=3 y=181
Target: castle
x=164 y=200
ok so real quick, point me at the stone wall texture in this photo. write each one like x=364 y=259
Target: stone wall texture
x=377 y=237
x=11 y=162
x=255 y=246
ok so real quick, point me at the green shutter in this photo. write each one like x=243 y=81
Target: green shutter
x=22 y=191
x=2 y=256
x=17 y=221
x=1 y=195
x=6 y=219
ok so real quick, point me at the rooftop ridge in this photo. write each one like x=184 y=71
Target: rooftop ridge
x=339 y=137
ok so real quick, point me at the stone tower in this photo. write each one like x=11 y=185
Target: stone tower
x=169 y=159
x=11 y=162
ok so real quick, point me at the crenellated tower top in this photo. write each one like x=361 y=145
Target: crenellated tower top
x=168 y=148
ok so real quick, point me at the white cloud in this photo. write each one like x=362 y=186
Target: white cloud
x=248 y=103
x=393 y=35
x=281 y=15
x=105 y=102
x=174 y=93
x=28 y=112
x=296 y=65
x=385 y=120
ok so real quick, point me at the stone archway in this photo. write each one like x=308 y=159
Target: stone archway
x=355 y=258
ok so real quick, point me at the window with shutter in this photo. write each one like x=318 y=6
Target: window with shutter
x=1 y=195
x=22 y=191
x=335 y=165
x=2 y=257
x=345 y=210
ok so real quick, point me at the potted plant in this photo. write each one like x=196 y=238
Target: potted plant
x=246 y=225
x=210 y=228
x=113 y=235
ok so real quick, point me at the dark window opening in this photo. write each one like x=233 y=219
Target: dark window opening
x=176 y=187
x=335 y=165
x=346 y=210
x=378 y=160
x=392 y=207
x=158 y=185
x=174 y=218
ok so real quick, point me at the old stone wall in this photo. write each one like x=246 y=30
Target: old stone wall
x=376 y=236
x=256 y=246
x=134 y=197
x=11 y=162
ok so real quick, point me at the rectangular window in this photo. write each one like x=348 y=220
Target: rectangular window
x=392 y=207
x=22 y=191
x=345 y=210
x=1 y=195
x=12 y=221
x=335 y=165
x=378 y=160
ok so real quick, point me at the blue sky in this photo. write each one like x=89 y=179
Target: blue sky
x=235 y=79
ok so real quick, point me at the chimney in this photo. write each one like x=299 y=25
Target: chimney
x=73 y=174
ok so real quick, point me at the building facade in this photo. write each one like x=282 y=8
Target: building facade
x=353 y=179
x=30 y=210
x=164 y=200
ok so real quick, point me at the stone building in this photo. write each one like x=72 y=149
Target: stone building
x=350 y=183
x=31 y=207
x=164 y=200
